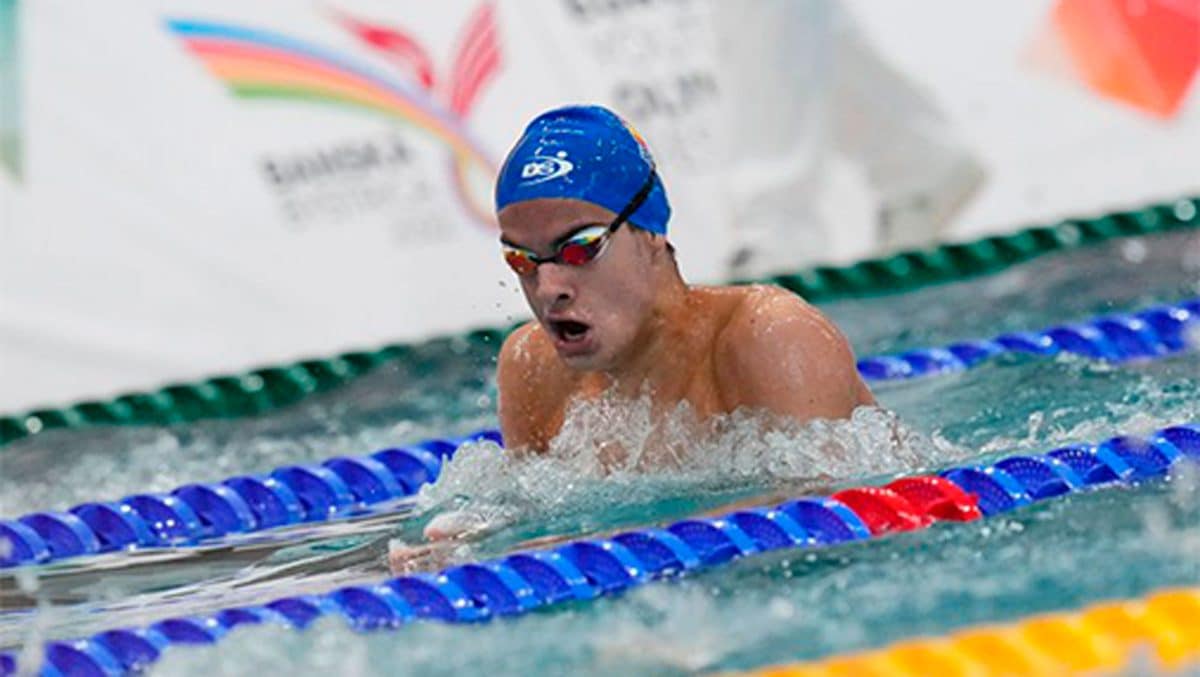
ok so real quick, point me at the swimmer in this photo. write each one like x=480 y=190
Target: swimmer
x=583 y=220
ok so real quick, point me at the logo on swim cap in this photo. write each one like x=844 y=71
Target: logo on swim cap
x=600 y=159
x=544 y=168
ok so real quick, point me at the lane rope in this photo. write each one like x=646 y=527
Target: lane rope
x=270 y=388
x=1105 y=638
x=588 y=568
x=342 y=487
x=1155 y=332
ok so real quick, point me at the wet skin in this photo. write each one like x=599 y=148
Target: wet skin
x=627 y=323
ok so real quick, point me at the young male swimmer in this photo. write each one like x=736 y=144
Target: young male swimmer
x=612 y=313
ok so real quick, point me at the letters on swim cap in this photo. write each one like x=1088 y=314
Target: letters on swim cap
x=584 y=153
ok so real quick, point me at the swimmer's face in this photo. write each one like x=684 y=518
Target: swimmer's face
x=593 y=312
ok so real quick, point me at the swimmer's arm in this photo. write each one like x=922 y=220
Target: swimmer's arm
x=780 y=354
x=518 y=405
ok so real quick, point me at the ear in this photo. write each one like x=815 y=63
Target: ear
x=662 y=246
x=656 y=242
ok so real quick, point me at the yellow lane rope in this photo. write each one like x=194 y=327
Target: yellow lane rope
x=1161 y=632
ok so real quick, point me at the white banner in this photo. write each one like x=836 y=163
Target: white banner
x=211 y=185
x=198 y=186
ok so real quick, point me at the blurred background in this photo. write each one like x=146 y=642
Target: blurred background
x=201 y=186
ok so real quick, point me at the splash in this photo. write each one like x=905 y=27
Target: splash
x=1165 y=523
x=612 y=454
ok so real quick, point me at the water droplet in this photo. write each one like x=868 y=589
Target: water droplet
x=27 y=580
x=1191 y=334
x=1134 y=250
x=780 y=608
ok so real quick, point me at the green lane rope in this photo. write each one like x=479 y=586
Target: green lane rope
x=269 y=388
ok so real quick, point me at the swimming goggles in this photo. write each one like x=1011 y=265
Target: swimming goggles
x=583 y=246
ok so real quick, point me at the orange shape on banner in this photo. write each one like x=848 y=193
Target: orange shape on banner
x=1143 y=52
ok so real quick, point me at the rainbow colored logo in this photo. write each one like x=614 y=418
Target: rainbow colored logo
x=259 y=64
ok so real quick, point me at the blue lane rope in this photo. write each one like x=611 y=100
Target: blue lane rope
x=195 y=513
x=592 y=567
x=348 y=486
x=1155 y=332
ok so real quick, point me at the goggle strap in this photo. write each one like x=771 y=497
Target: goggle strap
x=638 y=200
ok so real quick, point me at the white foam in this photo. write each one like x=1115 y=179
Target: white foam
x=612 y=452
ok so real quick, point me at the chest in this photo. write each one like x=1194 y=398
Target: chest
x=688 y=379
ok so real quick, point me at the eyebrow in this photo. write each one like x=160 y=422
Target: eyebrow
x=557 y=242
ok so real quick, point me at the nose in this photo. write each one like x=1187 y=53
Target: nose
x=554 y=286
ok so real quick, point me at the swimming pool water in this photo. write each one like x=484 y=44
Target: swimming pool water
x=784 y=606
x=770 y=608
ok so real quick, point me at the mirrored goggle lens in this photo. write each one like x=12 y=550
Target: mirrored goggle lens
x=582 y=248
x=519 y=261
x=575 y=254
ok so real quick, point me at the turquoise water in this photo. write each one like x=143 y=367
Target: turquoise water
x=778 y=607
x=786 y=606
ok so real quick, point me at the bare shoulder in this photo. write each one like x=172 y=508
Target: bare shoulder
x=530 y=383
x=779 y=352
x=761 y=311
x=522 y=347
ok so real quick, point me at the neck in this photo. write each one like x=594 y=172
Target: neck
x=648 y=361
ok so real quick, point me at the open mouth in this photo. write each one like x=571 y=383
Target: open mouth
x=569 y=331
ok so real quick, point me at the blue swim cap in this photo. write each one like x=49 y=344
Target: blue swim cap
x=584 y=153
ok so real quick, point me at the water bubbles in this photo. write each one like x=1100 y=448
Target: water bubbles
x=1034 y=424
x=1190 y=255
x=613 y=453
x=459 y=346
x=1134 y=250
x=31 y=655
x=1191 y=334
x=1185 y=483
x=781 y=609
x=1156 y=522
x=27 y=580
x=664 y=631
